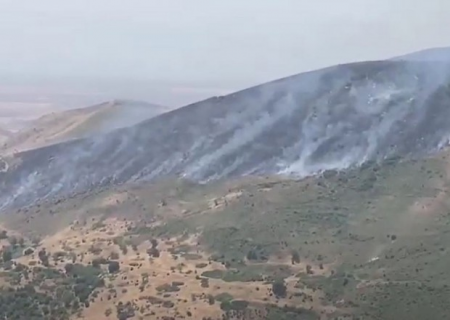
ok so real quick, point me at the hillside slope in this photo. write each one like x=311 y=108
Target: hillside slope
x=62 y=126
x=329 y=119
x=365 y=243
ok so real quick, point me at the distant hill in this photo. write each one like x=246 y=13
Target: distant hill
x=62 y=126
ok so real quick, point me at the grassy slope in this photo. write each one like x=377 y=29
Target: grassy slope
x=394 y=212
x=379 y=232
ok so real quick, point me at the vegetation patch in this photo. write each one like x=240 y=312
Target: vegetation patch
x=234 y=305
x=250 y=273
x=48 y=293
x=167 y=288
x=274 y=312
x=225 y=296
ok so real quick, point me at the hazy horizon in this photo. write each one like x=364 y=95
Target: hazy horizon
x=176 y=52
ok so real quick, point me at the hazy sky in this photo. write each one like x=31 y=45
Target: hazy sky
x=207 y=46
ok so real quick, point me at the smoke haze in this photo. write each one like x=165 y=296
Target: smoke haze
x=182 y=51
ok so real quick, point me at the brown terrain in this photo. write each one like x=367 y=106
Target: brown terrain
x=169 y=285
x=332 y=243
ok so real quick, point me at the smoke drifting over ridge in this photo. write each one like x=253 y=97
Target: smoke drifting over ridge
x=328 y=119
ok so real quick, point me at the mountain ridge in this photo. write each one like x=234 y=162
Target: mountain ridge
x=441 y=54
x=327 y=119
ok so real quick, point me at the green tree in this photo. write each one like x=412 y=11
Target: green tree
x=113 y=267
x=3 y=235
x=252 y=255
x=279 y=289
x=43 y=257
x=309 y=269
x=68 y=268
x=13 y=241
x=114 y=256
x=153 y=252
x=6 y=255
x=295 y=257
x=28 y=252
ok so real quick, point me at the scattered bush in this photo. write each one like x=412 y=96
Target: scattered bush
x=279 y=289
x=3 y=235
x=113 y=267
x=43 y=257
x=153 y=252
x=6 y=255
x=295 y=257
x=28 y=252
